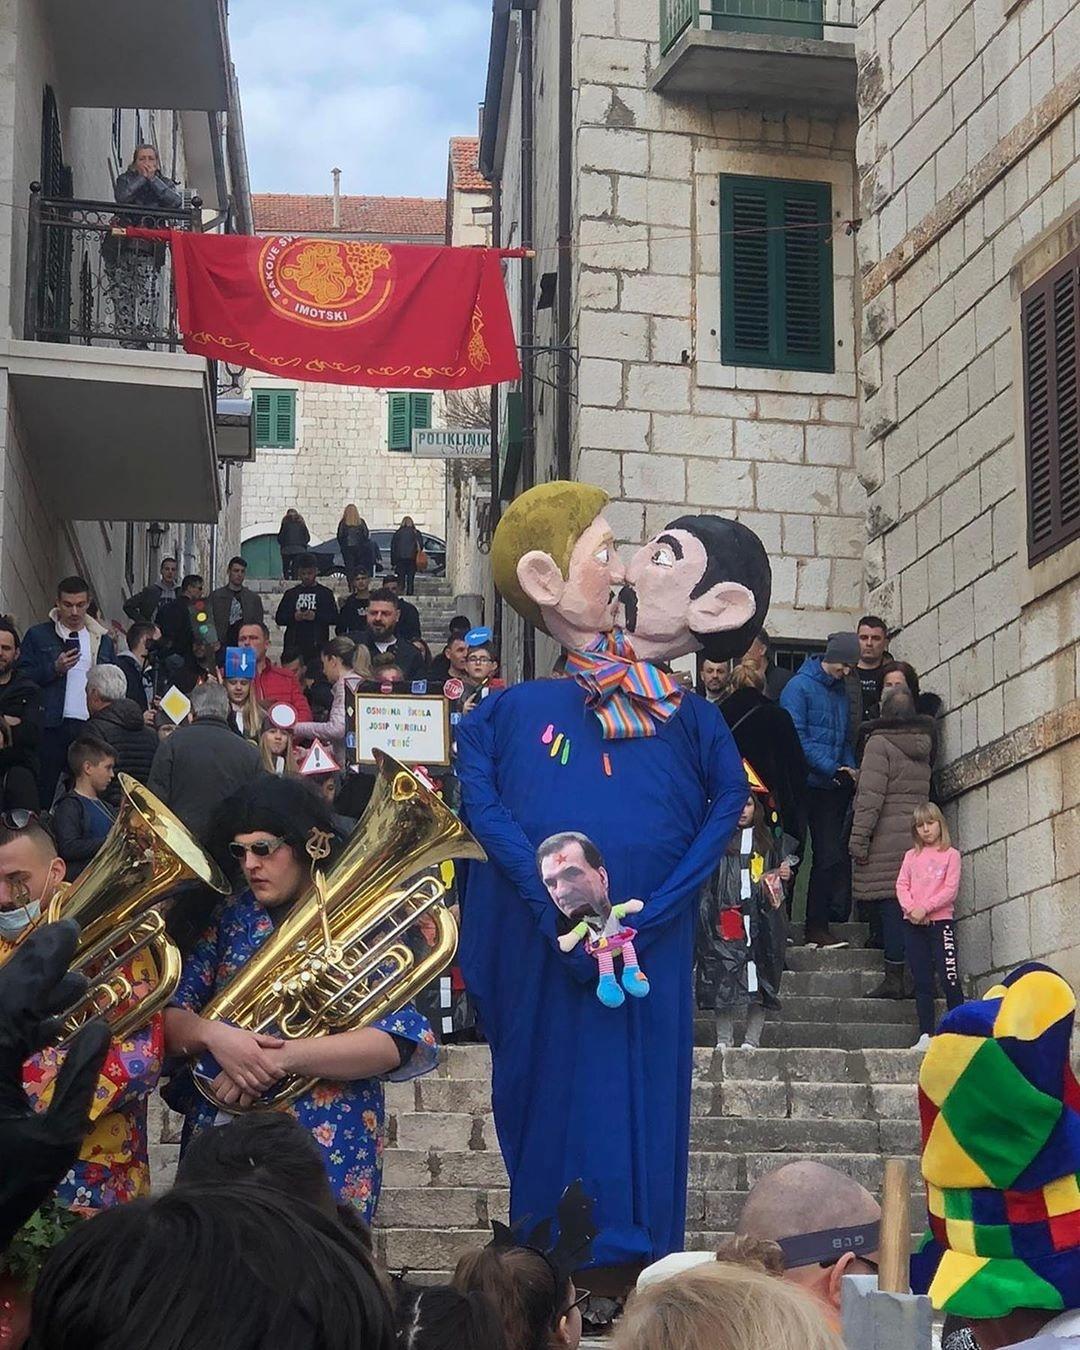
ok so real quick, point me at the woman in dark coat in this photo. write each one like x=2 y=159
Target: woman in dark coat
x=894 y=778
x=293 y=539
x=404 y=547
x=766 y=738
x=359 y=552
x=133 y=266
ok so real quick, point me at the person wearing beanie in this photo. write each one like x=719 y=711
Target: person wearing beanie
x=1000 y=1113
x=817 y=700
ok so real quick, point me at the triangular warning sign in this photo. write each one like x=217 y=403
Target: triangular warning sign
x=756 y=785
x=319 y=760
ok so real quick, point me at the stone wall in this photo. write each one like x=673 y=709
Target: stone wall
x=37 y=547
x=340 y=457
x=664 y=425
x=967 y=154
x=659 y=420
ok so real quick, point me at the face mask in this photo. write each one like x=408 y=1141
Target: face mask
x=14 y=922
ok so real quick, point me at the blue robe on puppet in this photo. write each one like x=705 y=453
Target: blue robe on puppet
x=580 y=1089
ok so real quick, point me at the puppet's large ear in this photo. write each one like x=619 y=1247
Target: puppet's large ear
x=541 y=578
x=725 y=606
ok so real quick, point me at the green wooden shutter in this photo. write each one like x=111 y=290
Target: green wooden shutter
x=776 y=305
x=275 y=419
x=399 y=428
x=419 y=413
x=285 y=419
x=263 y=418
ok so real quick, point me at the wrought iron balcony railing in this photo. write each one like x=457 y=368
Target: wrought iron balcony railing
x=87 y=285
x=791 y=18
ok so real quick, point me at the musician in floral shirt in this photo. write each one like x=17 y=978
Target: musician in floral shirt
x=113 y=1164
x=270 y=822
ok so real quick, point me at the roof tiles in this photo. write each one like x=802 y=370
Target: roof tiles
x=393 y=217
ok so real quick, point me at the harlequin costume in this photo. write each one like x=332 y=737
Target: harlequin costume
x=1000 y=1113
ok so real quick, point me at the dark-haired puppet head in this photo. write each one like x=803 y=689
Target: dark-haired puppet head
x=702 y=584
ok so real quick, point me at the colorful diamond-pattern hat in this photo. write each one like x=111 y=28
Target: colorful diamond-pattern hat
x=1000 y=1112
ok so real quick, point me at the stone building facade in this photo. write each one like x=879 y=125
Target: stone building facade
x=97 y=443
x=660 y=416
x=970 y=185
x=338 y=449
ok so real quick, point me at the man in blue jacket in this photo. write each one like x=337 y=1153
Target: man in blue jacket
x=57 y=656
x=817 y=701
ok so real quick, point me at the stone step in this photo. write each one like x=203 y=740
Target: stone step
x=472 y=1064
x=728 y=1095
x=414 y=1249
x=855 y=933
x=841 y=1035
x=760 y=1100
x=835 y=958
x=441 y=1206
x=834 y=984
x=815 y=1008
x=725 y=1134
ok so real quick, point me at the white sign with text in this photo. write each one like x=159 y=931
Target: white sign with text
x=452 y=443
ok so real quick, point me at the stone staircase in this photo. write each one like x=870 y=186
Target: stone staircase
x=434 y=599
x=834 y=1081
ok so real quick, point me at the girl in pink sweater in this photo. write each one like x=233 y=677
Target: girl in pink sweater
x=926 y=888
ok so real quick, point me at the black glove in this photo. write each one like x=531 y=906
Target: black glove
x=37 y=1149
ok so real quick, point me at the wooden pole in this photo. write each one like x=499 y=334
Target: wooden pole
x=894 y=1254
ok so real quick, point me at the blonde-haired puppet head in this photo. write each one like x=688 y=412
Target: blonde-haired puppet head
x=554 y=561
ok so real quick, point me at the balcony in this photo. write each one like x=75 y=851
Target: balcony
x=119 y=421
x=154 y=54
x=790 y=55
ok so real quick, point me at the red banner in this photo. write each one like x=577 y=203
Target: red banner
x=407 y=316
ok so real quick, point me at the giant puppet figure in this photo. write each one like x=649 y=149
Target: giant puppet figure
x=622 y=754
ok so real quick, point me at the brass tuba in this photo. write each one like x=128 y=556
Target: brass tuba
x=114 y=902
x=343 y=957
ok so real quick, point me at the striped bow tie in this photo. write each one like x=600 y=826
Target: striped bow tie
x=627 y=695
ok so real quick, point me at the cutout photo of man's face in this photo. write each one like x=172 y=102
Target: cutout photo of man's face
x=578 y=887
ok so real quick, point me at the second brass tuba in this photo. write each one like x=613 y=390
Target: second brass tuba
x=114 y=901
x=345 y=956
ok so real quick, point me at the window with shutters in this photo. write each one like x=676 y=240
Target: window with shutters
x=776 y=273
x=275 y=419
x=1050 y=327
x=405 y=414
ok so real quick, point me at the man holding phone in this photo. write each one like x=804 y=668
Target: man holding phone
x=57 y=656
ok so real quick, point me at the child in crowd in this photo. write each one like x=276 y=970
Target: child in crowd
x=245 y=715
x=276 y=748
x=80 y=818
x=742 y=929
x=927 y=888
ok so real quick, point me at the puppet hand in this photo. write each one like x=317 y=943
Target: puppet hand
x=785 y=872
x=568 y=941
x=633 y=906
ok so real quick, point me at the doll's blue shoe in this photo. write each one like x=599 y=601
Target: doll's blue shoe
x=609 y=993
x=634 y=981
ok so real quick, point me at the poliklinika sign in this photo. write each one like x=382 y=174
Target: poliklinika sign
x=402 y=316
x=451 y=443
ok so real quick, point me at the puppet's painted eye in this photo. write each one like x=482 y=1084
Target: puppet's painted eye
x=663 y=557
x=602 y=555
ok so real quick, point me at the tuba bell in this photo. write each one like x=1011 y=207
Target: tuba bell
x=346 y=954
x=114 y=901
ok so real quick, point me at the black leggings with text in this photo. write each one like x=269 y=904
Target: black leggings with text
x=931 y=948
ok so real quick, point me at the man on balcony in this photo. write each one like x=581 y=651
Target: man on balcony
x=57 y=655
